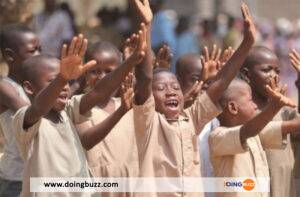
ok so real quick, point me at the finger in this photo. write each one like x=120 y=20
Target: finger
x=146 y=3
x=272 y=83
x=270 y=91
x=214 y=52
x=206 y=54
x=83 y=48
x=218 y=55
x=283 y=89
x=203 y=62
x=64 y=51
x=72 y=45
x=78 y=45
x=89 y=65
x=296 y=54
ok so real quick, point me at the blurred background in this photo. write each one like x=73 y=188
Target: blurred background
x=185 y=25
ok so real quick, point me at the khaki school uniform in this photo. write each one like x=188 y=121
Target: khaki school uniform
x=52 y=149
x=230 y=158
x=281 y=163
x=169 y=148
x=116 y=155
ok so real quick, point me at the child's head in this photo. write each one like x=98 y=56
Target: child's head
x=18 y=43
x=167 y=93
x=188 y=70
x=38 y=72
x=108 y=58
x=238 y=106
x=260 y=67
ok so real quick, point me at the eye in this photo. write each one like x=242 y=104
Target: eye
x=176 y=86
x=160 y=87
x=277 y=70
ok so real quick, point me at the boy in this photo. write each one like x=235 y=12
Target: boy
x=45 y=129
x=107 y=159
x=166 y=134
x=260 y=68
x=18 y=43
x=237 y=145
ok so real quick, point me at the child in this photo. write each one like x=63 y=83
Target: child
x=17 y=44
x=259 y=69
x=237 y=145
x=166 y=134
x=106 y=159
x=108 y=58
x=45 y=129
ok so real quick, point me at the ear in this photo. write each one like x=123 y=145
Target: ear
x=232 y=107
x=8 y=55
x=245 y=74
x=28 y=88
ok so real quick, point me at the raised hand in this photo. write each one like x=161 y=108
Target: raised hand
x=249 y=27
x=163 y=57
x=276 y=95
x=210 y=63
x=130 y=45
x=226 y=55
x=127 y=92
x=71 y=64
x=144 y=10
x=191 y=95
x=138 y=45
x=295 y=60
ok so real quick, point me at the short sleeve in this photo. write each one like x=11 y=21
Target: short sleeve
x=226 y=141
x=202 y=111
x=271 y=136
x=73 y=108
x=24 y=137
x=143 y=116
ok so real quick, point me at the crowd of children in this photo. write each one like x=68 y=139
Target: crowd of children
x=100 y=112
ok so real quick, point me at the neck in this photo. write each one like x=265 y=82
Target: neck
x=259 y=100
x=228 y=122
x=13 y=74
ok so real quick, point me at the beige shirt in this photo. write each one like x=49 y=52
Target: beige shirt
x=116 y=155
x=169 y=148
x=52 y=149
x=281 y=163
x=11 y=164
x=230 y=158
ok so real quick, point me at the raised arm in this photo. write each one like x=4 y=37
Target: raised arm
x=144 y=73
x=232 y=67
x=10 y=99
x=254 y=126
x=71 y=67
x=295 y=60
x=93 y=135
x=106 y=86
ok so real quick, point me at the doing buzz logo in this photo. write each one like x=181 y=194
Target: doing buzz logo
x=247 y=184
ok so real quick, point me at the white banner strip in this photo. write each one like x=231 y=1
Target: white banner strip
x=162 y=184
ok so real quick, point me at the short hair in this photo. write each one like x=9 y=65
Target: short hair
x=9 y=35
x=160 y=70
x=184 y=61
x=231 y=89
x=252 y=59
x=104 y=46
x=30 y=66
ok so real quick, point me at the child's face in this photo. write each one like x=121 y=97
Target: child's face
x=29 y=46
x=106 y=63
x=167 y=94
x=245 y=105
x=190 y=75
x=261 y=74
x=46 y=74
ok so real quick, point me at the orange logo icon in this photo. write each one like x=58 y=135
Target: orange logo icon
x=248 y=184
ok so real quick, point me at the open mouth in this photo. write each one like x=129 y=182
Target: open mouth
x=63 y=96
x=173 y=104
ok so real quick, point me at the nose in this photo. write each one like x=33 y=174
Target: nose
x=170 y=92
x=255 y=106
